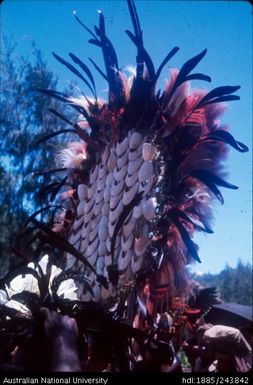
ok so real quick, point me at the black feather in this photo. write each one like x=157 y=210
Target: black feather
x=95 y=42
x=84 y=68
x=74 y=70
x=127 y=209
x=101 y=23
x=98 y=69
x=190 y=65
x=84 y=26
x=149 y=65
x=65 y=98
x=39 y=212
x=77 y=129
x=212 y=187
x=60 y=116
x=135 y=20
x=185 y=70
x=55 y=240
x=185 y=236
x=165 y=61
x=226 y=137
x=221 y=99
x=208 y=176
x=198 y=76
x=132 y=37
x=47 y=189
x=53 y=134
x=218 y=92
x=46 y=172
x=180 y=214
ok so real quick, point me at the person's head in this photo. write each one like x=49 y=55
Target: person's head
x=202 y=329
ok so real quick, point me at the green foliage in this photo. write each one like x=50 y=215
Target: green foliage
x=234 y=284
x=24 y=117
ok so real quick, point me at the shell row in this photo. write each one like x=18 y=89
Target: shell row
x=124 y=170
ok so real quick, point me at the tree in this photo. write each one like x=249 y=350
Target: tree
x=234 y=284
x=24 y=118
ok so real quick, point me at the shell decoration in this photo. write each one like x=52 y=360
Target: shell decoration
x=142 y=177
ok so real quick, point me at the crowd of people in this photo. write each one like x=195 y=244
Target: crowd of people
x=207 y=348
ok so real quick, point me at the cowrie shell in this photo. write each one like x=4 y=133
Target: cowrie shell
x=91 y=191
x=148 y=151
x=140 y=245
x=87 y=216
x=74 y=237
x=133 y=166
x=95 y=221
x=102 y=172
x=111 y=161
x=80 y=208
x=86 y=230
x=93 y=234
x=130 y=194
x=136 y=154
x=99 y=196
x=137 y=212
x=108 y=241
x=122 y=160
x=92 y=258
x=78 y=223
x=117 y=188
x=89 y=204
x=126 y=243
x=124 y=259
x=98 y=208
x=103 y=221
x=105 y=208
x=103 y=233
x=136 y=263
x=114 y=214
x=94 y=175
x=84 y=245
x=132 y=179
x=145 y=229
x=129 y=226
x=109 y=179
x=107 y=193
x=120 y=174
x=146 y=171
x=105 y=156
x=100 y=265
x=114 y=201
x=149 y=208
x=82 y=192
x=135 y=140
x=108 y=260
x=70 y=261
x=147 y=186
x=77 y=244
x=96 y=293
x=102 y=249
x=111 y=226
x=100 y=184
x=122 y=147
x=91 y=276
x=92 y=247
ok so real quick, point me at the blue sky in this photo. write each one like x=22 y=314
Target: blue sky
x=223 y=27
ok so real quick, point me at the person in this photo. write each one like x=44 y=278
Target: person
x=230 y=350
x=57 y=353
x=62 y=332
